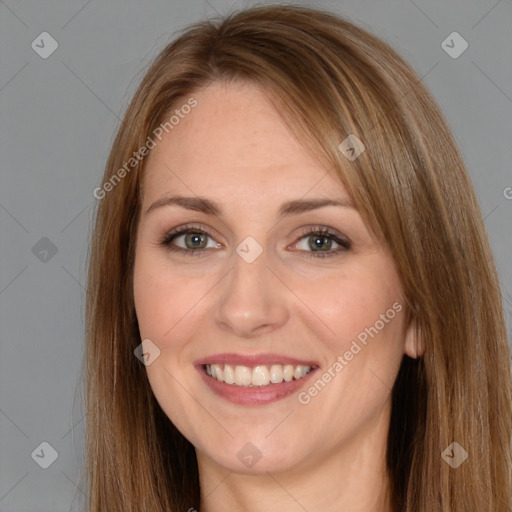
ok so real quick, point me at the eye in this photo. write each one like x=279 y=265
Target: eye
x=189 y=240
x=318 y=242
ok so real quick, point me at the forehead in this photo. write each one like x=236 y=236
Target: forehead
x=233 y=140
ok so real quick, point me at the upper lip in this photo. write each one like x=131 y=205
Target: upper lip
x=253 y=360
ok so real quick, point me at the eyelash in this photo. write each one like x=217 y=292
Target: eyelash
x=321 y=231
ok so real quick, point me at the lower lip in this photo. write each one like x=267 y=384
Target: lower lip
x=263 y=395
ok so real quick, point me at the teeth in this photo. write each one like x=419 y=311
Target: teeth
x=260 y=375
x=219 y=374
x=229 y=374
x=276 y=374
x=243 y=375
x=288 y=373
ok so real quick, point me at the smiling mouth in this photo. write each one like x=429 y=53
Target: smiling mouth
x=256 y=376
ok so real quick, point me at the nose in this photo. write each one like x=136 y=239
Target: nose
x=252 y=301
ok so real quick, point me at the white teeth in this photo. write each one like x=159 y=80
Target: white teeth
x=229 y=374
x=217 y=372
x=288 y=373
x=276 y=374
x=243 y=375
x=260 y=375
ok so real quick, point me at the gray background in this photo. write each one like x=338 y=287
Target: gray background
x=58 y=117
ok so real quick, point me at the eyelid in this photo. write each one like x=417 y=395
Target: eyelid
x=345 y=244
x=326 y=231
x=183 y=229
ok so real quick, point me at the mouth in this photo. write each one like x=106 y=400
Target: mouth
x=257 y=376
x=254 y=380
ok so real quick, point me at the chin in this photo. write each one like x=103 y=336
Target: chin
x=255 y=454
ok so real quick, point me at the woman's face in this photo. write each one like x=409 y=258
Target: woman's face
x=289 y=301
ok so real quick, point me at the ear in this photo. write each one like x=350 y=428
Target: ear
x=414 y=347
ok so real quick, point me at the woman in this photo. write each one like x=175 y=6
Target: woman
x=292 y=298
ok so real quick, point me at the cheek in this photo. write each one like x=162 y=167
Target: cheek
x=164 y=299
x=352 y=302
x=365 y=315
x=167 y=306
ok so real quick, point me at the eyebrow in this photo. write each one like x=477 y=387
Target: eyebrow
x=209 y=207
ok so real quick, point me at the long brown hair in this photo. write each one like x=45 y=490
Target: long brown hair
x=329 y=79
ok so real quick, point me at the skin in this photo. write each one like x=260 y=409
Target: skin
x=329 y=454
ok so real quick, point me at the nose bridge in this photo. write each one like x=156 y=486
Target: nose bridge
x=250 y=300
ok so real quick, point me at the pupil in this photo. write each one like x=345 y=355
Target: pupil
x=318 y=242
x=196 y=239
